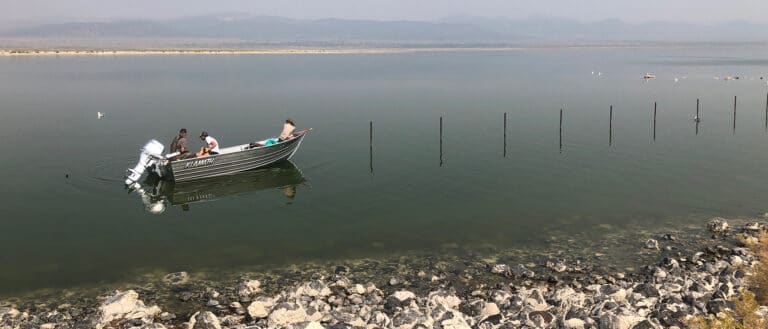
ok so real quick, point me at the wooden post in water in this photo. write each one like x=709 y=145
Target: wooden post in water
x=610 y=126
x=696 y=118
x=654 y=120
x=734 y=115
x=441 y=141
x=561 y=130
x=370 y=145
x=505 y=135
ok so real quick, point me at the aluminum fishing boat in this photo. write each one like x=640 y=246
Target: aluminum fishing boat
x=230 y=160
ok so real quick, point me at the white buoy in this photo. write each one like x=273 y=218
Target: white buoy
x=676 y=79
x=100 y=115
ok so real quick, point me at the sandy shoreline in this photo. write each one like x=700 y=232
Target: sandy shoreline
x=277 y=51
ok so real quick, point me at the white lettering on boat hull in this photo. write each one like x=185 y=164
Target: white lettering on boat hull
x=199 y=163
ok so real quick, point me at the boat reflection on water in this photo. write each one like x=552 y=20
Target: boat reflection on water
x=158 y=194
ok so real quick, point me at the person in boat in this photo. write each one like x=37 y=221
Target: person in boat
x=288 y=129
x=179 y=144
x=211 y=145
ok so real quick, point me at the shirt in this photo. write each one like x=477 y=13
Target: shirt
x=181 y=145
x=287 y=131
x=208 y=140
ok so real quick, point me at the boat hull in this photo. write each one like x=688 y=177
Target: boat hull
x=234 y=162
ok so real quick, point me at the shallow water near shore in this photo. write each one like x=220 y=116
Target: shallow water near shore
x=67 y=220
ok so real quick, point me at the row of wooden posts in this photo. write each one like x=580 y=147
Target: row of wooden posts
x=610 y=128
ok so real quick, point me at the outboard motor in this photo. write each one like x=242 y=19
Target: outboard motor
x=150 y=154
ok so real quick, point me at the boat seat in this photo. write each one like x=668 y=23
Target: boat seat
x=231 y=149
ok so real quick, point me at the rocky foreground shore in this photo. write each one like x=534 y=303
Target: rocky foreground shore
x=559 y=293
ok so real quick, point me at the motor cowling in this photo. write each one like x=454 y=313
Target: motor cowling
x=150 y=154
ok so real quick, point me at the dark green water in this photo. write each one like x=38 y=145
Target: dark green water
x=64 y=232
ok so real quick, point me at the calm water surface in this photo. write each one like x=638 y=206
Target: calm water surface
x=334 y=203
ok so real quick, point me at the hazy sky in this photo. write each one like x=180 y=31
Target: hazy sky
x=629 y=10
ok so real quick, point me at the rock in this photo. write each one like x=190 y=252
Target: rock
x=306 y=325
x=356 y=289
x=558 y=267
x=489 y=310
x=47 y=326
x=523 y=272
x=379 y=319
x=125 y=306
x=736 y=261
x=260 y=307
x=409 y=319
x=652 y=244
x=648 y=324
x=8 y=314
x=500 y=269
x=204 y=320
x=453 y=320
x=752 y=226
x=165 y=316
x=717 y=225
x=394 y=281
x=248 y=288
x=186 y=296
x=670 y=237
x=314 y=288
x=176 y=278
x=289 y=313
x=232 y=320
x=619 y=321
x=574 y=323
x=540 y=319
x=751 y=240
x=400 y=298
x=152 y=326
x=237 y=308
x=441 y=298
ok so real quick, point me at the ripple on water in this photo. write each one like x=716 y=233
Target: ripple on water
x=103 y=179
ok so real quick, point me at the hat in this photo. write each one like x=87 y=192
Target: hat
x=204 y=134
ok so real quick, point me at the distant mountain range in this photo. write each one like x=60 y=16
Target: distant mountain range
x=458 y=30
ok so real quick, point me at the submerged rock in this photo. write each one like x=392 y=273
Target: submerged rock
x=248 y=288
x=652 y=244
x=176 y=278
x=717 y=225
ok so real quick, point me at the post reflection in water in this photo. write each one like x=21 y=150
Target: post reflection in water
x=157 y=194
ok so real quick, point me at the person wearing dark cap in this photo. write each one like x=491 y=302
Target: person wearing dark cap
x=211 y=145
